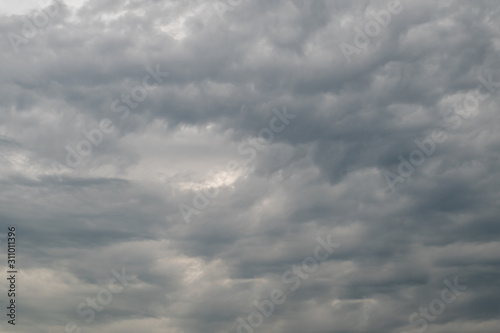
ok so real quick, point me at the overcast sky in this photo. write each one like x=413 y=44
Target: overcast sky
x=203 y=147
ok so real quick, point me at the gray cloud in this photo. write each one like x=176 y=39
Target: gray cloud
x=323 y=174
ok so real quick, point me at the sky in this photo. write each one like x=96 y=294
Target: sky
x=248 y=166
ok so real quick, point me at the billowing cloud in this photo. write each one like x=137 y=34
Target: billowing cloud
x=184 y=166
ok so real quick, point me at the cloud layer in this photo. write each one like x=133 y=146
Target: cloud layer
x=91 y=84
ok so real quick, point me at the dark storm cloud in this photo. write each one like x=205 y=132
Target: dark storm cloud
x=323 y=174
